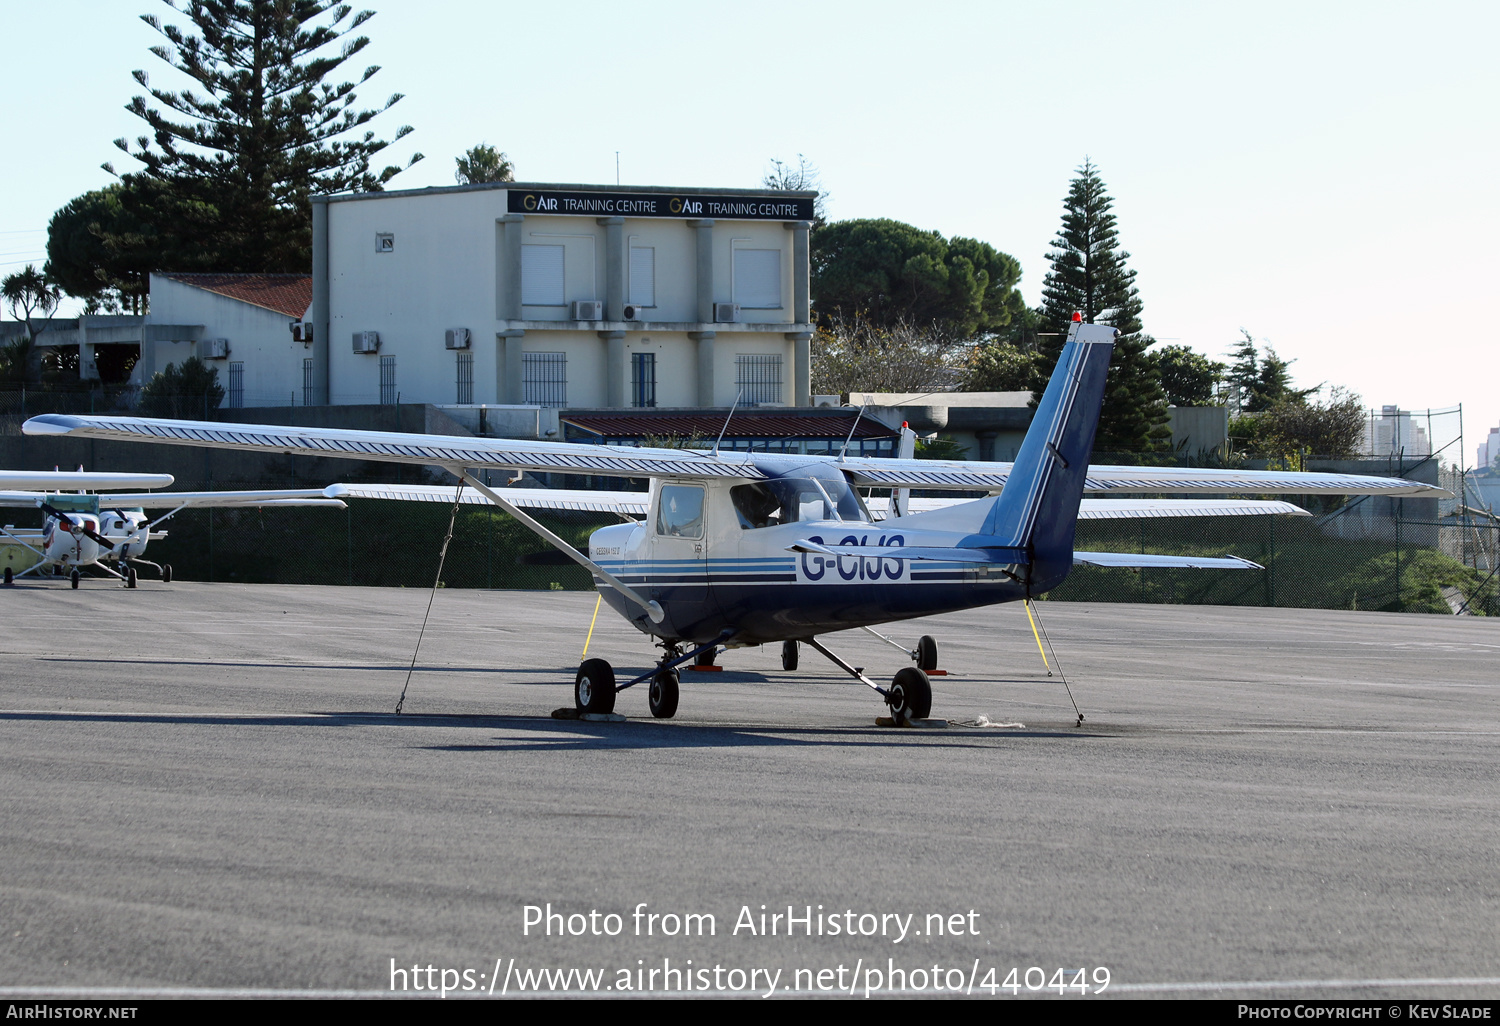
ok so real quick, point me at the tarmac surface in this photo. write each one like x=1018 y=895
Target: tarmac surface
x=205 y=792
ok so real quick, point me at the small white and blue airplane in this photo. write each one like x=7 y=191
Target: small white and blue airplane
x=84 y=528
x=740 y=549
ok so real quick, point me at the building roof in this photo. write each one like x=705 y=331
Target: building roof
x=289 y=294
x=780 y=422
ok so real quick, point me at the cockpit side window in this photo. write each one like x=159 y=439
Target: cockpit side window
x=789 y=500
x=679 y=511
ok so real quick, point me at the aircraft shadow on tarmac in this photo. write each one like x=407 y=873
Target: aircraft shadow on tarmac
x=560 y=735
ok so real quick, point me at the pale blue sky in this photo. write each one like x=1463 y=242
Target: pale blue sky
x=1321 y=174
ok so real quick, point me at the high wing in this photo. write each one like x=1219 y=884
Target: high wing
x=1113 y=509
x=631 y=504
x=621 y=461
x=79 y=480
x=179 y=500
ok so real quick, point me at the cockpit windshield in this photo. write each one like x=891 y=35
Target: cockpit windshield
x=788 y=500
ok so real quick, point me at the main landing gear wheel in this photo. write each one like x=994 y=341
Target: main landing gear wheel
x=166 y=574
x=926 y=653
x=662 y=695
x=594 y=688
x=789 y=655
x=706 y=658
x=130 y=577
x=74 y=577
x=910 y=697
x=10 y=577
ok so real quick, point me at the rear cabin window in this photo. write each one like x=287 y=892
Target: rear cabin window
x=680 y=512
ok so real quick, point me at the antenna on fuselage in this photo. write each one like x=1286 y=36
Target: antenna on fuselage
x=854 y=427
x=738 y=396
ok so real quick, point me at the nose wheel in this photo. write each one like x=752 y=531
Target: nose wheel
x=910 y=696
x=74 y=578
x=662 y=695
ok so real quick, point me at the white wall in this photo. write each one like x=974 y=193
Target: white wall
x=258 y=337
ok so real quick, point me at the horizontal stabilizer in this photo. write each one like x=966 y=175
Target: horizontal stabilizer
x=1139 y=561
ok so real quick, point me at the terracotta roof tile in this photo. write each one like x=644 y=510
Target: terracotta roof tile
x=752 y=423
x=289 y=294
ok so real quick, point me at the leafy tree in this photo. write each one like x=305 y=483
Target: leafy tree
x=483 y=163
x=103 y=246
x=1295 y=426
x=1189 y=378
x=1089 y=275
x=803 y=176
x=188 y=391
x=891 y=273
x=242 y=151
x=1001 y=367
x=853 y=355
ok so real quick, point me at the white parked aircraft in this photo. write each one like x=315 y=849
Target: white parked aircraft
x=747 y=548
x=110 y=532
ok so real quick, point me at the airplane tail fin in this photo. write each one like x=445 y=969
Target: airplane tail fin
x=1038 y=508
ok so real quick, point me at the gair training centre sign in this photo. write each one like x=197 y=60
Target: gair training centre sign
x=636 y=204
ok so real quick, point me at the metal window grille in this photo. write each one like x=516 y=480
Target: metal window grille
x=758 y=378
x=307 y=381
x=236 y=385
x=544 y=379
x=465 y=378
x=388 y=381
x=643 y=379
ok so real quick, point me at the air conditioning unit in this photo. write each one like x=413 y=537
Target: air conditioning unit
x=726 y=313
x=588 y=310
x=214 y=348
x=456 y=338
x=828 y=400
x=635 y=312
x=302 y=331
x=367 y=341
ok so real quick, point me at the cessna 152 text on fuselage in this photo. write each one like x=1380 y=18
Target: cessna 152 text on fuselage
x=748 y=548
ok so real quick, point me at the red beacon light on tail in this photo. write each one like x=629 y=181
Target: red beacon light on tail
x=1077 y=317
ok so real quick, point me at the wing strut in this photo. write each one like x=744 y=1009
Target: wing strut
x=653 y=610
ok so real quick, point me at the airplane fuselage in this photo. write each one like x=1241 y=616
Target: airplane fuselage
x=718 y=564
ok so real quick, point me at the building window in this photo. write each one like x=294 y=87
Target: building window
x=642 y=289
x=757 y=278
x=643 y=379
x=465 y=379
x=236 y=395
x=758 y=378
x=307 y=381
x=388 y=393
x=542 y=276
x=544 y=379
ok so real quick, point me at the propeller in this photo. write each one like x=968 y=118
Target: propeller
x=83 y=529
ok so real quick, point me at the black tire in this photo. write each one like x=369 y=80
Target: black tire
x=706 y=657
x=926 y=653
x=911 y=695
x=130 y=577
x=166 y=574
x=594 y=687
x=789 y=655
x=10 y=577
x=662 y=695
x=74 y=577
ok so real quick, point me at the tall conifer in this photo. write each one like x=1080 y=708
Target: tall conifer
x=258 y=130
x=1089 y=276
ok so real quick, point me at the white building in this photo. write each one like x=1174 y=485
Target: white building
x=238 y=323
x=554 y=296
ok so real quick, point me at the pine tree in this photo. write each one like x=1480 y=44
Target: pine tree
x=1089 y=276
x=263 y=130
